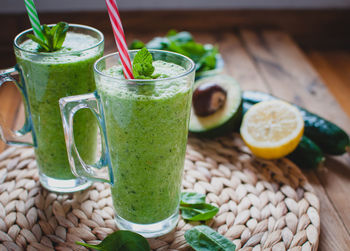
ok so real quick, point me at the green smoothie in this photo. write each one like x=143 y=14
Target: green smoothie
x=48 y=77
x=147 y=135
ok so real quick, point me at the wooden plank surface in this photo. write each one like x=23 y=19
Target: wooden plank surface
x=333 y=234
x=311 y=28
x=334 y=68
x=290 y=76
x=239 y=65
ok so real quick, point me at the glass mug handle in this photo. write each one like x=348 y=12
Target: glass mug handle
x=7 y=76
x=69 y=106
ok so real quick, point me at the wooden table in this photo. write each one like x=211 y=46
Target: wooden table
x=271 y=61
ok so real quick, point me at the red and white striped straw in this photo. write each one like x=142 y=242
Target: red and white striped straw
x=120 y=38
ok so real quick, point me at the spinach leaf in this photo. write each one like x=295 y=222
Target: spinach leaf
x=203 y=238
x=208 y=61
x=188 y=198
x=199 y=212
x=182 y=42
x=176 y=47
x=158 y=43
x=137 y=44
x=194 y=208
x=181 y=37
x=121 y=240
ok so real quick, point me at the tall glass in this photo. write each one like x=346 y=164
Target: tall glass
x=45 y=78
x=145 y=127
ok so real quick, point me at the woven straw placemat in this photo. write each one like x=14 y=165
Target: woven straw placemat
x=264 y=205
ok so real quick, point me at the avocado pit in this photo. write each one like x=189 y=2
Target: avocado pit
x=208 y=98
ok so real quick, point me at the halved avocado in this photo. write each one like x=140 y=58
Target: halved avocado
x=216 y=106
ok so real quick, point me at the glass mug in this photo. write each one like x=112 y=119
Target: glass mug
x=45 y=78
x=144 y=125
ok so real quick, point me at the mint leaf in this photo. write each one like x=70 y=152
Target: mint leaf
x=120 y=241
x=59 y=35
x=155 y=76
x=47 y=34
x=203 y=238
x=39 y=41
x=142 y=65
x=54 y=37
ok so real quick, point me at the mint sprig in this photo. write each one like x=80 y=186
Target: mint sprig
x=142 y=65
x=53 y=37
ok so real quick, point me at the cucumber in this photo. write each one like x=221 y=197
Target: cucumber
x=254 y=97
x=246 y=106
x=307 y=155
x=328 y=136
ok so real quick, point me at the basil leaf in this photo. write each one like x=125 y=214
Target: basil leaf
x=203 y=238
x=142 y=65
x=189 y=198
x=200 y=212
x=121 y=240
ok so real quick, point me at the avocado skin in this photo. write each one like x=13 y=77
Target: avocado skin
x=229 y=126
x=328 y=136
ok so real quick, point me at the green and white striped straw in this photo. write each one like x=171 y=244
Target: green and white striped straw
x=34 y=19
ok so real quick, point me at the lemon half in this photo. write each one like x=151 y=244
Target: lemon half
x=272 y=129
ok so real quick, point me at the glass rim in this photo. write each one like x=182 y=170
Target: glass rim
x=143 y=81
x=21 y=34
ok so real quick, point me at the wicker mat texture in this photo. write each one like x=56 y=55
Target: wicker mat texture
x=264 y=205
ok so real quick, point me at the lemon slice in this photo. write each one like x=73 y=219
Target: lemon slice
x=272 y=129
